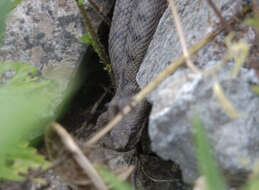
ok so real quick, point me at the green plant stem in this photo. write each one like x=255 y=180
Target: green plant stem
x=102 y=54
x=99 y=11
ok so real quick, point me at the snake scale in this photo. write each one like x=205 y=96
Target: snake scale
x=133 y=25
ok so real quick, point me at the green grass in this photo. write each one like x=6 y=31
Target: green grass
x=206 y=162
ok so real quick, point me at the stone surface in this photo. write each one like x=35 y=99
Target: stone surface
x=45 y=34
x=53 y=182
x=198 y=20
x=234 y=140
x=153 y=173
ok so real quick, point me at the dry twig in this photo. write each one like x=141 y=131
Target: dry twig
x=160 y=77
x=100 y=48
x=182 y=38
x=100 y=12
x=79 y=157
x=219 y=15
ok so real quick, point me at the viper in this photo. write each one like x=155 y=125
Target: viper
x=133 y=25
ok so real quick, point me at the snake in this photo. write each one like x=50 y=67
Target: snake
x=134 y=23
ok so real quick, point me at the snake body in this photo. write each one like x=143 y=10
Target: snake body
x=133 y=25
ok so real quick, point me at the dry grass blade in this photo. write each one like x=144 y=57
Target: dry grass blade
x=160 y=77
x=200 y=184
x=79 y=157
x=219 y=15
x=224 y=102
x=182 y=38
x=226 y=105
x=145 y=91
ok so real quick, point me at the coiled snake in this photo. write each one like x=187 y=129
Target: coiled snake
x=133 y=25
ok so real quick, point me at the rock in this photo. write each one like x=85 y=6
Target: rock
x=53 y=182
x=45 y=34
x=153 y=173
x=233 y=140
x=198 y=20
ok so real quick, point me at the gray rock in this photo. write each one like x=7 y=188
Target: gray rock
x=53 y=182
x=198 y=20
x=45 y=33
x=233 y=140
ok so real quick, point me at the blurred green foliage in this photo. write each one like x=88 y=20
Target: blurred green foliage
x=88 y=39
x=255 y=89
x=5 y=7
x=206 y=162
x=28 y=103
x=113 y=182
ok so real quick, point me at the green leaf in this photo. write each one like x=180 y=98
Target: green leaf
x=87 y=39
x=113 y=181
x=254 y=22
x=255 y=89
x=205 y=158
x=19 y=159
x=5 y=8
x=28 y=104
x=15 y=3
x=238 y=51
x=252 y=184
x=81 y=2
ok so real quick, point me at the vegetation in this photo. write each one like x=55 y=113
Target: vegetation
x=208 y=165
x=27 y=106
x=30 y=102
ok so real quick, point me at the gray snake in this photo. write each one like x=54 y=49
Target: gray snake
x=133 y=25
